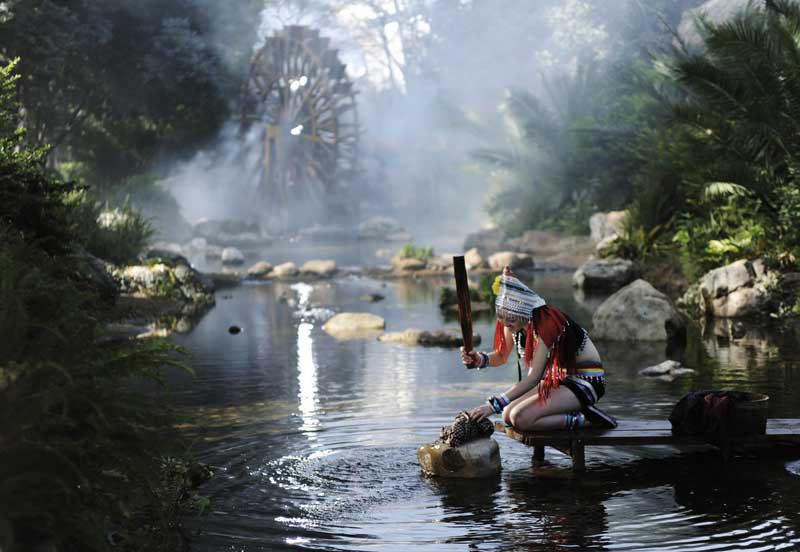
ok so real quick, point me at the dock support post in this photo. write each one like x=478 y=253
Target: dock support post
x=578 y=456
x=538 y=453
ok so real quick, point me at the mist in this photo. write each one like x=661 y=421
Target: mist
x=430 y=79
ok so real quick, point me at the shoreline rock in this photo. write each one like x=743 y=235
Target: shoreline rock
x=446 y=338
x=638 y=312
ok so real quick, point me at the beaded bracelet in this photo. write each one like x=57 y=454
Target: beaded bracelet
x=484 y=359
x=498 y=403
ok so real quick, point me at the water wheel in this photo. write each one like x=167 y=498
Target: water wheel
x=300 y=100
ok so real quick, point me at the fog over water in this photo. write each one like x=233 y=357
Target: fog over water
x=429 y=78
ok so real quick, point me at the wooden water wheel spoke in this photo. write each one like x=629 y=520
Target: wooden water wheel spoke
x=299 y=92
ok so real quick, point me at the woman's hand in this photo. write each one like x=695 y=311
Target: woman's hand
x=481 y=412
x=470 y=358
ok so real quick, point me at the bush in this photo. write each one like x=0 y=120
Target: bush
x=116 y=235
x=411 y=251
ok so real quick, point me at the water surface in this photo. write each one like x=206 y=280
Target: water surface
x=315 y=439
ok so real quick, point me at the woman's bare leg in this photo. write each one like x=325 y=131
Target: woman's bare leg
x=529 y=414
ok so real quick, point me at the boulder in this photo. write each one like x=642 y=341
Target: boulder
x=181 y=282
x=435 y=338
x=170 y=256
x=476 y=459
x=321 y=268
x=604 y=225
x=232 y=256
x=489 y=238
x=737 y=289
x=510 y=259
x=473 y=259
x=354 y=325
x=604 y=275
x=284 y=270
x=408 y=264
x=440 y=262
x=638 y=312
x=259 y=270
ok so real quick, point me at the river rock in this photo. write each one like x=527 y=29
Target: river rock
x=435 y=338
x=354 y=325
x=259 y=270
x=489 y=238
x=232 y=256
x=476 y=459
x=284 y=270
x=408 y=264
x=321 y=268
x=473 y=259
x=604 y=275
x=737 y=289
x=669 y=370
x=637 y=312
x=605 y=225
x=181 y=282
x=510 y=259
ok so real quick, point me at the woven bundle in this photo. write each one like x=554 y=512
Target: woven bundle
x=463 y=430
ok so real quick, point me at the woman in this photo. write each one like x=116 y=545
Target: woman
x=565 y=376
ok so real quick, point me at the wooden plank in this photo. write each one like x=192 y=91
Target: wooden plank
x=642 y=432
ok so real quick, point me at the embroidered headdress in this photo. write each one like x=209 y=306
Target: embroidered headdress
x=515 y=301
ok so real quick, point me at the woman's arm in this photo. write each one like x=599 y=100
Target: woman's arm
x=496 y=358
x=534 y=373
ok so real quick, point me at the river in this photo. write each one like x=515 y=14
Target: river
x=314 y=439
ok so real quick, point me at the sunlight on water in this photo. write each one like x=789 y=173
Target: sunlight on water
x=315 y=439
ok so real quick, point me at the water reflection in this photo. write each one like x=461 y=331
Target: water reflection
x=307 y=379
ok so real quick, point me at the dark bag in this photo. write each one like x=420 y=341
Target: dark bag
x=706 y=413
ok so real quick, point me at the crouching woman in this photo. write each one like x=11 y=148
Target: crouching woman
x=565 y=376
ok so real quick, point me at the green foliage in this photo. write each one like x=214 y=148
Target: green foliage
x=81 y=447
x=116 y=235
x=119 y=85
x=411 y=251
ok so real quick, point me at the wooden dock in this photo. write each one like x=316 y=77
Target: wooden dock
x=640 y=432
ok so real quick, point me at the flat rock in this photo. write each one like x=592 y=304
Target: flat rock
x=476 y=459
x=321 y=268
x=660 y=369
x=637 y=312
x=408 y=264
x=354 y=325
x=284 y=270
x=510 y=259
x=435 y=338
x=260 y=269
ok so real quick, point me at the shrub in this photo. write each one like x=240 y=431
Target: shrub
x=411 y=251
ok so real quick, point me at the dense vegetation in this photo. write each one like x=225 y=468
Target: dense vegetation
x=697 y=141
x=83 y=458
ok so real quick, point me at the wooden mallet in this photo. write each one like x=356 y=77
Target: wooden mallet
x=464 y=309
